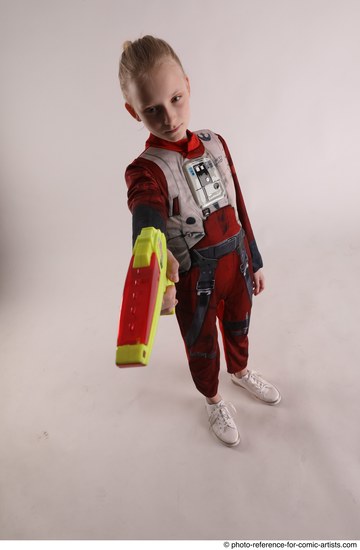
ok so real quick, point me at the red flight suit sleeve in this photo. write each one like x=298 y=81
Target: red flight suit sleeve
x=147 y=195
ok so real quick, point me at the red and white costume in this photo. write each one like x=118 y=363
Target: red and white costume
x=159 y=196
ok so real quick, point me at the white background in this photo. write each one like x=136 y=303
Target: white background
x=90 y=451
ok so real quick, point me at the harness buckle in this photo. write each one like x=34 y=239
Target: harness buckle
x=243 y=267
x=205 y=287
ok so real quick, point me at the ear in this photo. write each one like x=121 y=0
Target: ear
x=132 y=111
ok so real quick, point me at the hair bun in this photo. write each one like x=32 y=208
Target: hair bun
x=126 y=45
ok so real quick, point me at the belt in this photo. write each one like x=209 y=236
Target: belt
x=219 y=250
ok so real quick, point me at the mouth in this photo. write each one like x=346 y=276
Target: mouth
x=174 y=130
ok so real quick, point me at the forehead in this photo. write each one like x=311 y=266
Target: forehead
x=159 y=84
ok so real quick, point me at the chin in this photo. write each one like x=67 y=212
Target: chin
x=176 y=136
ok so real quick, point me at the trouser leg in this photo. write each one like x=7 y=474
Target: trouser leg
x=203 y=356
x=234 y=319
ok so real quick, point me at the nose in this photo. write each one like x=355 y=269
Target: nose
x=169 y=117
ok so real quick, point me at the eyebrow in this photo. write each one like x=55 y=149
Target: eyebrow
x=154 y=104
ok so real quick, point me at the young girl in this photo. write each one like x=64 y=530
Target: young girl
x=185 y=184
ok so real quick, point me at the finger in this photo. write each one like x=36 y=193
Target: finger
x=168 y=310
x=172 y=270
x=261 y=284
x=169 y=298
x=173 y=276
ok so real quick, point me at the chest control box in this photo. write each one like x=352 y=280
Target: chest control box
x=204 y=181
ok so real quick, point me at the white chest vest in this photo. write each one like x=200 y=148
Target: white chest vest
x=196 y=188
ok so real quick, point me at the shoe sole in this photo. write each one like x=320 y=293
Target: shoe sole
x=256 y=397
x=224 y=442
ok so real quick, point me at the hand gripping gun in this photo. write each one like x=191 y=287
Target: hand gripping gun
x=144 y=289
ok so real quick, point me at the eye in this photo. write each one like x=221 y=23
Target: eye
x=176 y=98
x=150 y=110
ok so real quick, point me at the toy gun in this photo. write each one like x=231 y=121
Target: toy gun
x=144 y=289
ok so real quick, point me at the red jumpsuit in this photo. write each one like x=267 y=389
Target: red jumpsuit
x=230 y=301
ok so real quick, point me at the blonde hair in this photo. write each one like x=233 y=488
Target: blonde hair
x=140 y=56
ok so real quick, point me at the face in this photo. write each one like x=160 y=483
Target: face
x=162 y=101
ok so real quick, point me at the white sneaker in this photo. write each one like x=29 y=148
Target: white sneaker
x=222 y=423
x=258 y=387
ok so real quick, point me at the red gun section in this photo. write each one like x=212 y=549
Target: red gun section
x=139 y=298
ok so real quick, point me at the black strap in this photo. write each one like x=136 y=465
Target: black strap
x=221 y=249
x=244 y=268
x=204 y=288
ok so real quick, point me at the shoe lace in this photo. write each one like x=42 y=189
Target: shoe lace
x=223 y=415
x=254 y=379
